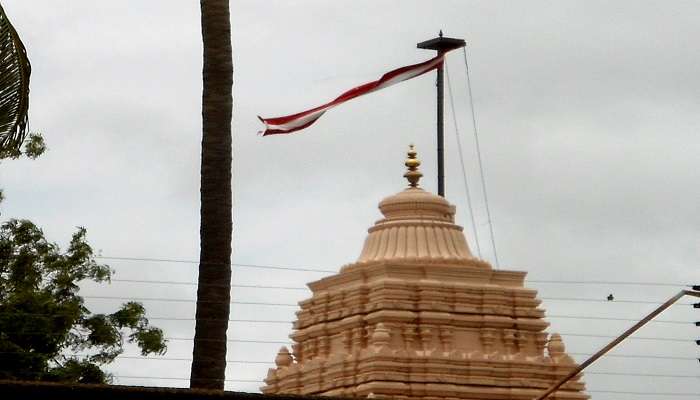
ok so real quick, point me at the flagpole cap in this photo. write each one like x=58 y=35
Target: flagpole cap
x=413 y=175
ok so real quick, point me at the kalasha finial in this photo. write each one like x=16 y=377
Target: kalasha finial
x=413 y=174
x=440 y=32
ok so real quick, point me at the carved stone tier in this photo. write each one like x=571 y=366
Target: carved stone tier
x=417 y=316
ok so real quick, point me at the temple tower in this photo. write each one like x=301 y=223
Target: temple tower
x=417 y=316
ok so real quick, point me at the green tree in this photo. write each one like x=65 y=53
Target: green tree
x=46 y=331
x=214 y=282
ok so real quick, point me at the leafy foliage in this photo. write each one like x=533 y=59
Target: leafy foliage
x=34 y=146
x=15 y=71
x=46 y=331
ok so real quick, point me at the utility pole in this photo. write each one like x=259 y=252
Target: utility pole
x=442 y=45
x=697 y=305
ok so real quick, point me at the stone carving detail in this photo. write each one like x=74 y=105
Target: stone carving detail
x=381 y=337
x=297 y=351
x=358 y=338
x=323 y=346
x=409 y=336
x=446 y=338
x=488 y=339
x=509 y=341
x=557 y=350
x=521 y=339
x=426 y=337
x=347 y=341
x=418 y=316
x=540 y=341
x=283 y=359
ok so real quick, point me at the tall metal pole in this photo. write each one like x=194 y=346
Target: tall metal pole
x=442 y=45
x=440 y=130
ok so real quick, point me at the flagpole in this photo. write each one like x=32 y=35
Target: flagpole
x=441 y=45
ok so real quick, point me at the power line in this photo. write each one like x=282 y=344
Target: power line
x=641 y=356
x=289 y=321
x=304 y=269
x=162 y=282
x=659 y=321
x=181 y=379
x=38 y=333
x=172 y=260
x=640 y=374
x=461 y=161
x=660 y=339
x=272 y=363
x=607 y=301
x=261 y=381
x=613 y=373
x=563 y=316
x=643 y=393
x=146 y=358
x=166 y=299
x=218 y=285
x=563 y=282
x=631 y=356
x=237 y=340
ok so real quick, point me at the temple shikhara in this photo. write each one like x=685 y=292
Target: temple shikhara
x=417 y=316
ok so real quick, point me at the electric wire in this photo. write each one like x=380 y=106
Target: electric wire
x=260 y=303
x=184 y=283
x=478 y=155
x=561 y=316
x=679 y=394
x=304 y=269
x=564 y=282
x=606 y=373
x=644 y=393
x=614 y=373
x=261 y=321
x=219 y=285
x=461 y=161
x=182 y=379
x=171 y=260
x=613 y=355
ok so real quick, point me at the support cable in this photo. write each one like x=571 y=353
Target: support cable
x=478 y=154
x=461 y=161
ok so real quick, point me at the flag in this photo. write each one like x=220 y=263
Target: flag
x=298 y=121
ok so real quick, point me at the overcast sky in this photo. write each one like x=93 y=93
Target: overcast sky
x=588 y=116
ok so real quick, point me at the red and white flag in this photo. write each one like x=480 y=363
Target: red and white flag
x=298 y=121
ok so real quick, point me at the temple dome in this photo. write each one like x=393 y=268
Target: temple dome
x=417 y=317
x=416 y=203
x=417 y=226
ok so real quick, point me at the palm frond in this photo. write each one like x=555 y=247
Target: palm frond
x=14 y=86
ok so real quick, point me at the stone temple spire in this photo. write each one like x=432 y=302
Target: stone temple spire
x=418 y=317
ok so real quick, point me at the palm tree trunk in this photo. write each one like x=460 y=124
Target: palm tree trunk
x=214 y=284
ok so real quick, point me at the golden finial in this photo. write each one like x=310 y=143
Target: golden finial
x=413 y=174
